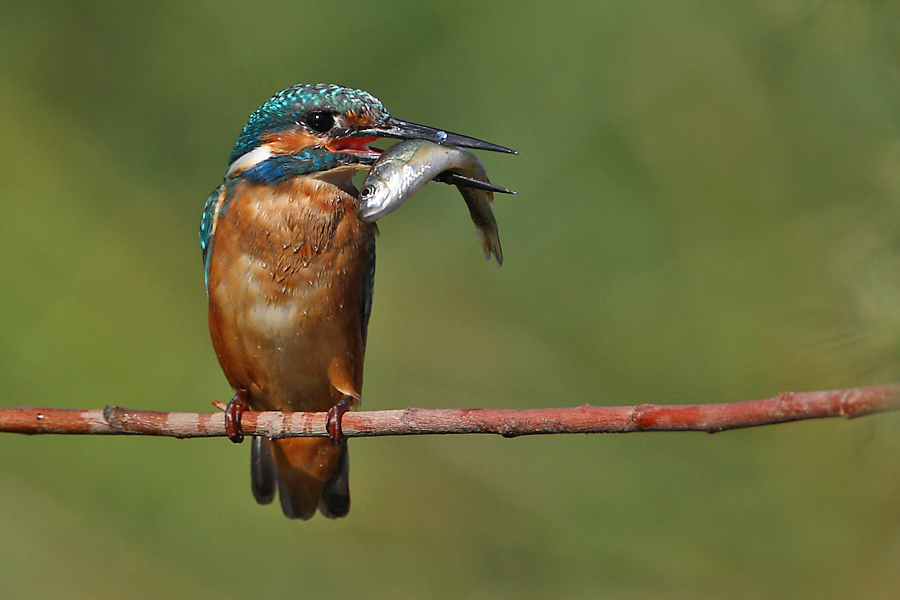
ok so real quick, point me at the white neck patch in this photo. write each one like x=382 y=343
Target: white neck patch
x=249 y=160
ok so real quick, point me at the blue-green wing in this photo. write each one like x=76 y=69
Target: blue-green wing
x=207 y=226
x=368 y=287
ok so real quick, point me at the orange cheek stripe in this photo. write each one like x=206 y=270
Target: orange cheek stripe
x=355 y=119
x=289 y=142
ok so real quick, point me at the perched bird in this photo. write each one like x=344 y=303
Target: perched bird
x=289 y=272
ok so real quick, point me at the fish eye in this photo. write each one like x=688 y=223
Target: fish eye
x=320 y=121
x=366 y=192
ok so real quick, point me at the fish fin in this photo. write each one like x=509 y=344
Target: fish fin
x=490 y=243
x=480 y=205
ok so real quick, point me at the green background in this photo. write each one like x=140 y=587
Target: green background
x=707 y=212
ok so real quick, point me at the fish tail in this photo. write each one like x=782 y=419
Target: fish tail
x=490 y=243
x=479 y=203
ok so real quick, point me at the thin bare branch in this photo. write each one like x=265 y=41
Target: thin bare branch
x=789 y=406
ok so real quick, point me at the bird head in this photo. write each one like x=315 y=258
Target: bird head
x=320 y=127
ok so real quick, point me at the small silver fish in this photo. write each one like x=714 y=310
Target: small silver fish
x=405 y=167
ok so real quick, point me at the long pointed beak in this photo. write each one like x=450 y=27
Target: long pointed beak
x=404 y=130
x=463 y=181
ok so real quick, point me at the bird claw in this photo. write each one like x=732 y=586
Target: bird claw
x=336 y=415
x=233 y=412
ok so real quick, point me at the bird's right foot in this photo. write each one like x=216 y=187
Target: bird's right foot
x=233 y=413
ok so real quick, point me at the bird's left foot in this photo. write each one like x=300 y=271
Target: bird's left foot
x=233 y=413
x=336 y=415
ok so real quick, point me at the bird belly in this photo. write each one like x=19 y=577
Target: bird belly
x=286 y=288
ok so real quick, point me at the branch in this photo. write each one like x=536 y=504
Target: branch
x=711 y=418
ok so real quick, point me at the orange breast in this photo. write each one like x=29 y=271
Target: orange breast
x=286 y=286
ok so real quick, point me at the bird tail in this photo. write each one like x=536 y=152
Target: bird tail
x=308 y=473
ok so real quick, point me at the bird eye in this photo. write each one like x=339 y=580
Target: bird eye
x=320 y=121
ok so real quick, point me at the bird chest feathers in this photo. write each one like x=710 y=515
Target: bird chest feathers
x=287 y=240
x=286 y=282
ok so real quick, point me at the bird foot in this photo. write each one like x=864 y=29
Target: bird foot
x=336 y=415
x=233 y=412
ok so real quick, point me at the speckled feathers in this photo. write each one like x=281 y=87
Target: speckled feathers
x=287 y=108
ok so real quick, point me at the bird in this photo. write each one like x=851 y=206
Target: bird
x=289 y=270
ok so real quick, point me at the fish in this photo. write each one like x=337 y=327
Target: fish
x=405 y=167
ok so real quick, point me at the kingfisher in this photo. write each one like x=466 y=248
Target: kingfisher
x=289 y=273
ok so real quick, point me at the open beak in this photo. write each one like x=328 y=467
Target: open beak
x=404 y=130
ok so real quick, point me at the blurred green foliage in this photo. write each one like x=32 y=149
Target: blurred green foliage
x=707 y=211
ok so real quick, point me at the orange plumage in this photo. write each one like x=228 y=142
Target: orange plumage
x=287 y=278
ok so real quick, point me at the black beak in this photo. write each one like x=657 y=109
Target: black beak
x=463 y=181
x=404 y=130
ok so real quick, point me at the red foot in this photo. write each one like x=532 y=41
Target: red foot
x=336 y=415
x=233 y=413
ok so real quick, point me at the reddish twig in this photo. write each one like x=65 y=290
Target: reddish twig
x=790 y=406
